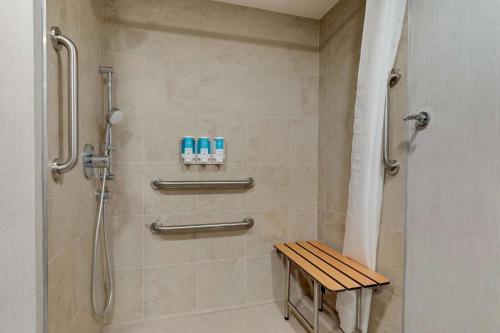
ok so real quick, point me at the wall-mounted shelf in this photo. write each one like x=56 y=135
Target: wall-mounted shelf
x=211 y=161
x=158 y=228
x=159 y=184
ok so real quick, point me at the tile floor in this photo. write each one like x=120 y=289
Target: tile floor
x=251 y=319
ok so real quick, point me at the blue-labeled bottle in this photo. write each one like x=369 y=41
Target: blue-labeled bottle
x=188 y=149
x=219 y=150
x=204 y=149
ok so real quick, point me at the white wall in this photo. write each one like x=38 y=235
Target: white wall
x=453 y=234
x=21 y=251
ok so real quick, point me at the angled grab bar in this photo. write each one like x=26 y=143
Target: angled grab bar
x=158 y=228
x=58 y=41
x=159 y=184
x=391 y=166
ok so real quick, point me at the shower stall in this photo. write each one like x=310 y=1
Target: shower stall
x=137 y=240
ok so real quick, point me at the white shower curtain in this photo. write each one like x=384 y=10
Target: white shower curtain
x=381 y=33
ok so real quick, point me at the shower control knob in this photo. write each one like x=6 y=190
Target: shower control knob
x=96 y=161
x=92 y=161
x=422 y=119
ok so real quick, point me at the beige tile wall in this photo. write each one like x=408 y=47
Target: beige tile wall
x=207 y=68
x=71 y=203
x=340 y=42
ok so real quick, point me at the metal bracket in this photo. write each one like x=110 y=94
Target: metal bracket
x=88 y=152
x=392 y=167
x=394 y=77
x=54 y=33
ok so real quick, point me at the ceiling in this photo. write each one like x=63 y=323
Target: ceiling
x=307 y=8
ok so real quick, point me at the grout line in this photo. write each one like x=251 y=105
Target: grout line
x=290 y=152
x=167 y=163
x=143 y=271
x=247 y=152
x=143 y=217
x=197 y=272
x=199 y=312
x=66 y=248
x=256 y=210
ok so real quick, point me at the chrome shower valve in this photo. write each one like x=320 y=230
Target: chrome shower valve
x=96 y=161
x=92 y=161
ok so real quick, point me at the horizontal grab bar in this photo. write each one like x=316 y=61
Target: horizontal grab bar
x=159 y=184
x=158 y=228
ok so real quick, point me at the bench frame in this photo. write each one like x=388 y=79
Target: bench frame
x=330 y=271
x=319 y=290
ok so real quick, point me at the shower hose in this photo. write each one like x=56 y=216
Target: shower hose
x=101 y=225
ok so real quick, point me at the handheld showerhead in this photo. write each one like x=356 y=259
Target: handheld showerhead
x=114 y=116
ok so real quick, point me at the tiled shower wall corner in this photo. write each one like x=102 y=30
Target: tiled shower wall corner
x=208 y=68
x=71 y=201
x=340 y=43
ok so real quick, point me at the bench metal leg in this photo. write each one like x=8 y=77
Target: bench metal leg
x=321 y=295
x=317 y=293
x=357 y=328
x=288 y=273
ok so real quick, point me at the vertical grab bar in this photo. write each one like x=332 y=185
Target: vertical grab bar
x=58 y=41
x=391 y=166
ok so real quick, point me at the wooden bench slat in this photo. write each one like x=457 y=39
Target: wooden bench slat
x=379 y=278
x=340 y=266
x=317 y=274
x=324 y=267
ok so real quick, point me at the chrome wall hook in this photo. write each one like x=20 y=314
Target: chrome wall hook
x=422 y=119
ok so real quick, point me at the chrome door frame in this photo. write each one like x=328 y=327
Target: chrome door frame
x=45 y=160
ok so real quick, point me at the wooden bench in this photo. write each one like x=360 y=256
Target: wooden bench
x=330 y=271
